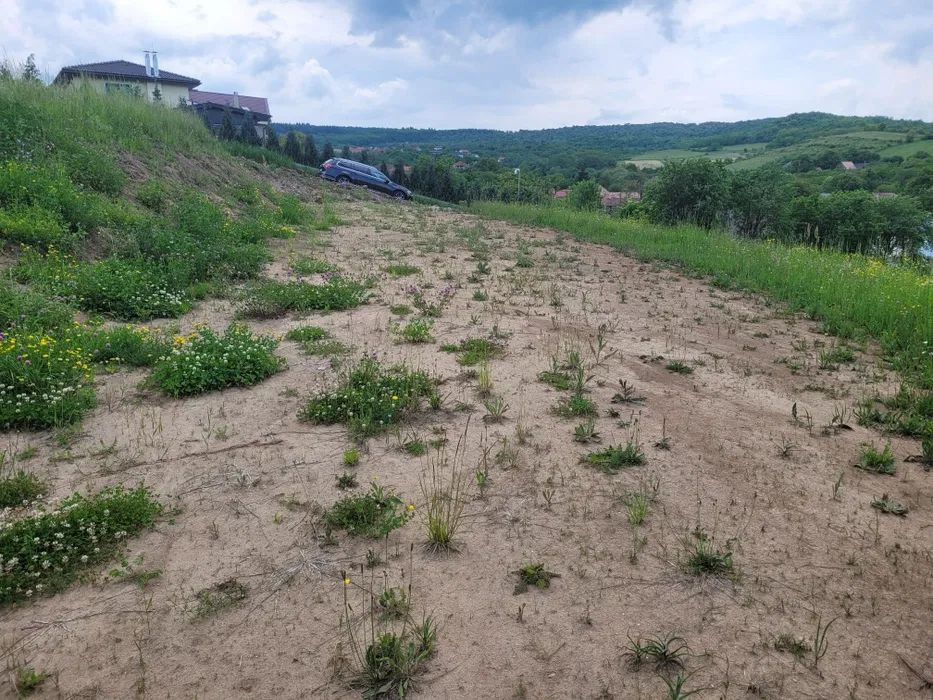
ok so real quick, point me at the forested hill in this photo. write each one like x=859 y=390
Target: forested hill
x=618 y=140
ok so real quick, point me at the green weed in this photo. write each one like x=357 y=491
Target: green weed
x=371 y=398
x=871 y=460
x=613 y=459
x=373 y=514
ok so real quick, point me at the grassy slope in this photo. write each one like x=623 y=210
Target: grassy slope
x=851 y=294
x=908 y=149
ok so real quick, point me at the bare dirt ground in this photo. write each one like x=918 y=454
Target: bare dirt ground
x=245 y=483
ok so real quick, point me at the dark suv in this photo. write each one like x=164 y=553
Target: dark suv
x=347 y=171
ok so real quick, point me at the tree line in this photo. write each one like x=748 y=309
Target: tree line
x=764 y=203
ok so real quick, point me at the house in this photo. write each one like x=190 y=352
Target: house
x=849 y=165
x=213 y=114
x=461 y=165
x=124 y=77
x=257 y=105
x=561 y=194
x=437 y=149
x=611 y=200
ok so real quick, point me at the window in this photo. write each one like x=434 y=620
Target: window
x=121 y=89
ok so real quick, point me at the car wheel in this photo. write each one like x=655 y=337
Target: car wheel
x=398 y=194
x=343 y=180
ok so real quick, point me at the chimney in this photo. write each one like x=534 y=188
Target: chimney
x=155 y=64
x=236 y=99
x=148 y=65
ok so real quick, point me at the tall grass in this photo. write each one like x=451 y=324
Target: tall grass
x=74 y=116
x=852 y=295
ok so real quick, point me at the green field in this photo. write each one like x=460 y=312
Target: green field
x=880 y=141
x=908 y=149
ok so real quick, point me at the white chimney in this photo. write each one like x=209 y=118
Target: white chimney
x=148 y=65
x=155 y=64
x=236 y=99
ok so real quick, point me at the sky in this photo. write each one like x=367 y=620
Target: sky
x=511 y=64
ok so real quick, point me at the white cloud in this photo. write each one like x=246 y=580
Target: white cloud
x=458 y=63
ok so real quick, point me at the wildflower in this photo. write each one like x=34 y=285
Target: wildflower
x=347 y=581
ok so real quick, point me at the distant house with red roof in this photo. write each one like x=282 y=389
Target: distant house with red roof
x=258 y=105
x=561 y=194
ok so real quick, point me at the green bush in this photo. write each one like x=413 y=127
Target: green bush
x=202 y=244
x=26 y=309
x=307 y=334
x=45 y=379
x=32 y=186
x=271 y=299
x=311 y=266
x=371 y=398
x=416 y=331
x=128 y=345
x=204 y=361
x=43 y=553
x=19 y=489
x=152 y=195
x=373 y=514
x=291 y=210
x=132 y=289
x=34 y=226
x=127 y=289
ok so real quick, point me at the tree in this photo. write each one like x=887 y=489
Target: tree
x=585 y=195
x=903 y=225
x=384 y=169
x=328 y=152
x=311 y=154
x=157 y=94
x=693 y=191
x=398 y=173
x=227 y=132
x=292 y=148
x=248 y=131
x=272 y=139
x=30 y=72
x=364 y=156
x=345 y=152
x=760 y=202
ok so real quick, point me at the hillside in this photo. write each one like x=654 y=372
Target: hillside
x=262 y=435
x=617 y=142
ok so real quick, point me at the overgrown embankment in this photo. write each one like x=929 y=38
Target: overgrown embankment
x=853 y=295
x=123 y=211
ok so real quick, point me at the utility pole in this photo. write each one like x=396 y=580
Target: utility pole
x=518 y=171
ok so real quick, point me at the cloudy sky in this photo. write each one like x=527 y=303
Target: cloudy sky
x=510 y=64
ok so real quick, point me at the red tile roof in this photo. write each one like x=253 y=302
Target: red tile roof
x=254 y=104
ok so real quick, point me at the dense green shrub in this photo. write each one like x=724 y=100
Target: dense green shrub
x=131 y=289
x=45 y=379
x=46 y=193
x=128 y=345
x=271 y=299
x=27 y=309
x=204 y=361
x=371 y=398
x=373 y=514
x=43 y=553
x=152 y=195
x=33 y=225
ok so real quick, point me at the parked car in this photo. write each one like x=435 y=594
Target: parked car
x=346 y=171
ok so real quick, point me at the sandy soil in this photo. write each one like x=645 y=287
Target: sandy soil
x=246 y=483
